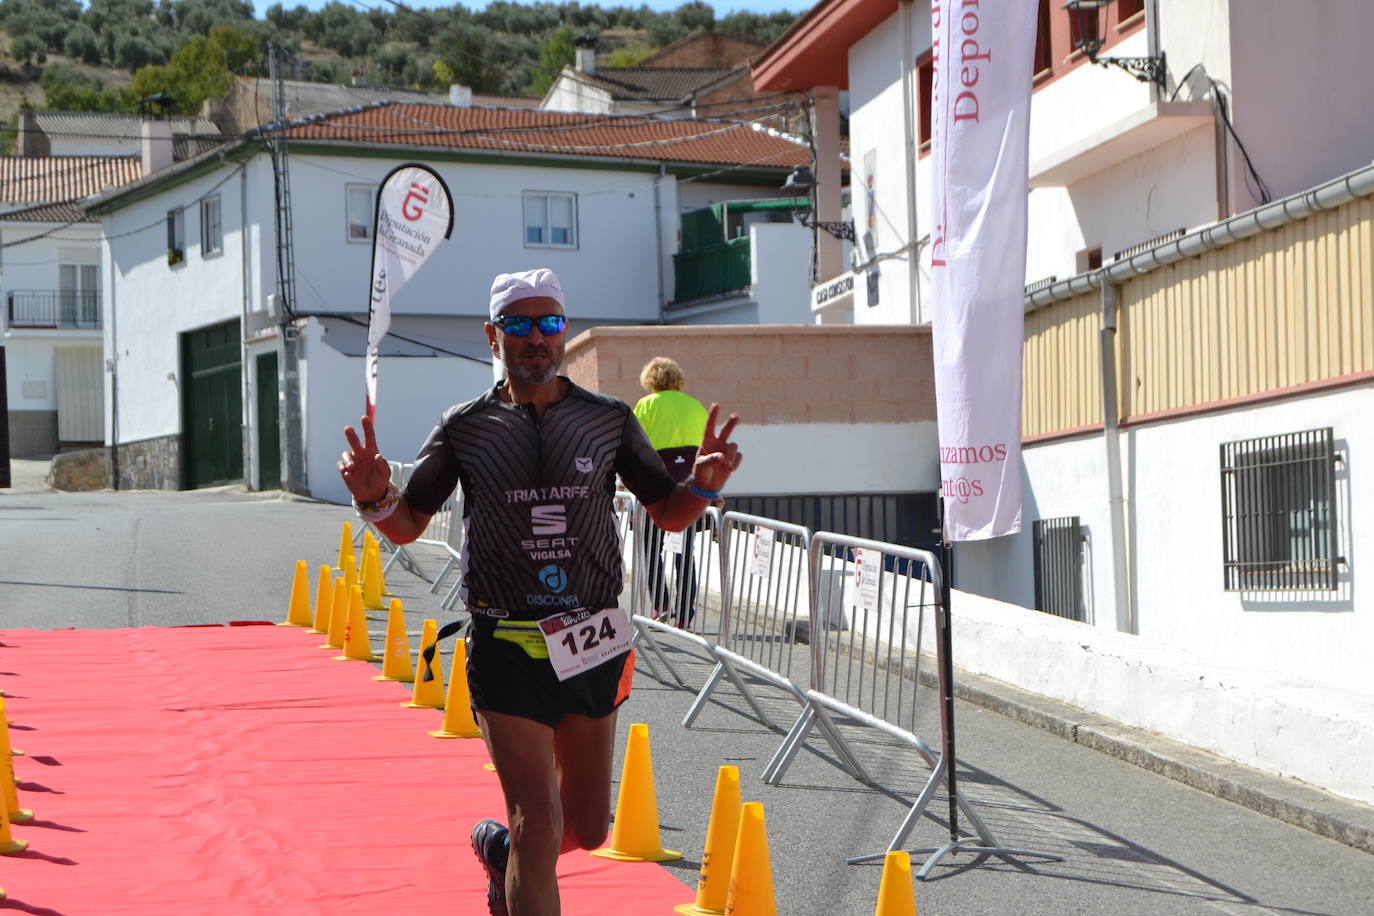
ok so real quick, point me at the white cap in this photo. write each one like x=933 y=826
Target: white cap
x=525 y=284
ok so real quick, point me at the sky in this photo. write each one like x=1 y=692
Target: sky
x=722 y=7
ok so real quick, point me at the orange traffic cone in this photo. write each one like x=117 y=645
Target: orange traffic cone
x=357 y=642
x=714 y=884
x=428 y=694
x=338 y=615
x=8 y=844
x=751 y=873
x=458 y=719
x=635 y=836
x=10 y=793
x=363 y=548
x=372 y=576
x=298 y=611
x=345 y=544
x=895 y=894
x=324 y=600
x=381 y=574
x=7 y=750
x=396 y=664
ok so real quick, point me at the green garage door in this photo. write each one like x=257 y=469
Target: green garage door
x=212 y=405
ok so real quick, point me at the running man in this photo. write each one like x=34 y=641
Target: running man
x=537 y=457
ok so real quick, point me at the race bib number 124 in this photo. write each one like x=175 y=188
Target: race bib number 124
x=582 y=639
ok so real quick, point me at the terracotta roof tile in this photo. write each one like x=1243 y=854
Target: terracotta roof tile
x=49 y=179
x=65 y=212
x=666 y=84
x=554 y=133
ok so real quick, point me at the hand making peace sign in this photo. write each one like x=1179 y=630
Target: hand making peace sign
x=718 y=457
x=365 y=472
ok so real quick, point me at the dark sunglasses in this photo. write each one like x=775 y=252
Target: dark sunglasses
x=520 y=325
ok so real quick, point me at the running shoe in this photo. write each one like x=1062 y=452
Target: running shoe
x=489 y=842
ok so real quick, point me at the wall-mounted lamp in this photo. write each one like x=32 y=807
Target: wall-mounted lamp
x=802 y=181
x=1088 y=25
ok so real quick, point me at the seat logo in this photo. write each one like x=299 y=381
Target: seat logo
x=549 y=519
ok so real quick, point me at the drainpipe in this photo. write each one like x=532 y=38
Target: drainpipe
x=658 y=236
x=112 y=366
x=1111 y=437
x=1152 y=43
x=250 y=453
x=909 y=140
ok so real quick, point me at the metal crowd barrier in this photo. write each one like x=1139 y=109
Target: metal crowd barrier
x=444 y=530
x=763 y=565
x=867 y=618
x=672 y=577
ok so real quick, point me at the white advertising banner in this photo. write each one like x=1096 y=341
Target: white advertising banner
x=414 y=213
x=980 y=107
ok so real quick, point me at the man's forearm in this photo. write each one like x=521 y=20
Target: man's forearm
x=404 y=524
x=678 y=510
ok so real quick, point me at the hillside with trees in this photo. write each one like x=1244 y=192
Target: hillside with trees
x=106 y=55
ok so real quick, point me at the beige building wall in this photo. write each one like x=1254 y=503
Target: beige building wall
x=1286 y=311
x=773 y=374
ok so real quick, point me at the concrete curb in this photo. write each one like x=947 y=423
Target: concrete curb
x=1287 y=800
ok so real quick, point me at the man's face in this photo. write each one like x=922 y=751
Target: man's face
x=533 y=359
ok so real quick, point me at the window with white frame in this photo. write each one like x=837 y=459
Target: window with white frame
x=176 y=235
x=550 y=219
x=359 y=206
x=78 y=295
x=211 y=231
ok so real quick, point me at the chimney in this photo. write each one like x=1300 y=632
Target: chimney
x=156 y=145
x=586 y=54
x=359 y=76
x=31 y=140
x=460 y=96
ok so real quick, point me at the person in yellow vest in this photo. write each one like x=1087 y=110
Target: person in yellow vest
x=674 y=422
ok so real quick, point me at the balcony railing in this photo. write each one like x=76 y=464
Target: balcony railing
x=711 y=270
x=50 y=308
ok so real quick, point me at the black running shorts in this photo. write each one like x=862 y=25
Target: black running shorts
x=504 y=675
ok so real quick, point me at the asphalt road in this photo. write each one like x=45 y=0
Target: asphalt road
x=1133 y=842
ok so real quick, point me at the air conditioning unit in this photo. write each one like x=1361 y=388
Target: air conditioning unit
x=272 y=306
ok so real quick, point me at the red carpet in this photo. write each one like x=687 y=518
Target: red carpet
x=240 y=770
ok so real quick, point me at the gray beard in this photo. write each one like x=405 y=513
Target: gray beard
x=528 y=377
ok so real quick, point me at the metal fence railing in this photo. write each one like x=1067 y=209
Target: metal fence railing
x=672 y=577
x=50 y=308
x=831 y=621
x=1057 y=558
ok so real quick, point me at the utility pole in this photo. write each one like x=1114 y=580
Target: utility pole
x=288 y=337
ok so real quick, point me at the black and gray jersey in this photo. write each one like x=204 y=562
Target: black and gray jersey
x=538 y=497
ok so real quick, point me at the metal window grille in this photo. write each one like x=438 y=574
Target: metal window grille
x=1058 y=546
x=1278 y=500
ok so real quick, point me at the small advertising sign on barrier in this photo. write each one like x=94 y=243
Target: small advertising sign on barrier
x=868 y=569
x=763 y=553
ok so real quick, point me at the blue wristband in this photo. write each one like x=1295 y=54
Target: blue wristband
x=698 y=492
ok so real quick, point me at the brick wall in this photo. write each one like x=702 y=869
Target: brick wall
x=773 y=374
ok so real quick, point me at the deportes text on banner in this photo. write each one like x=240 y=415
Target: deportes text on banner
x=414 y=213
x=980 y=108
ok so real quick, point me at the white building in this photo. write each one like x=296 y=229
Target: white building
x=50 y=289
x=1199 y=367
x=51 y=329
x=1116 y=162
x=191 y=259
